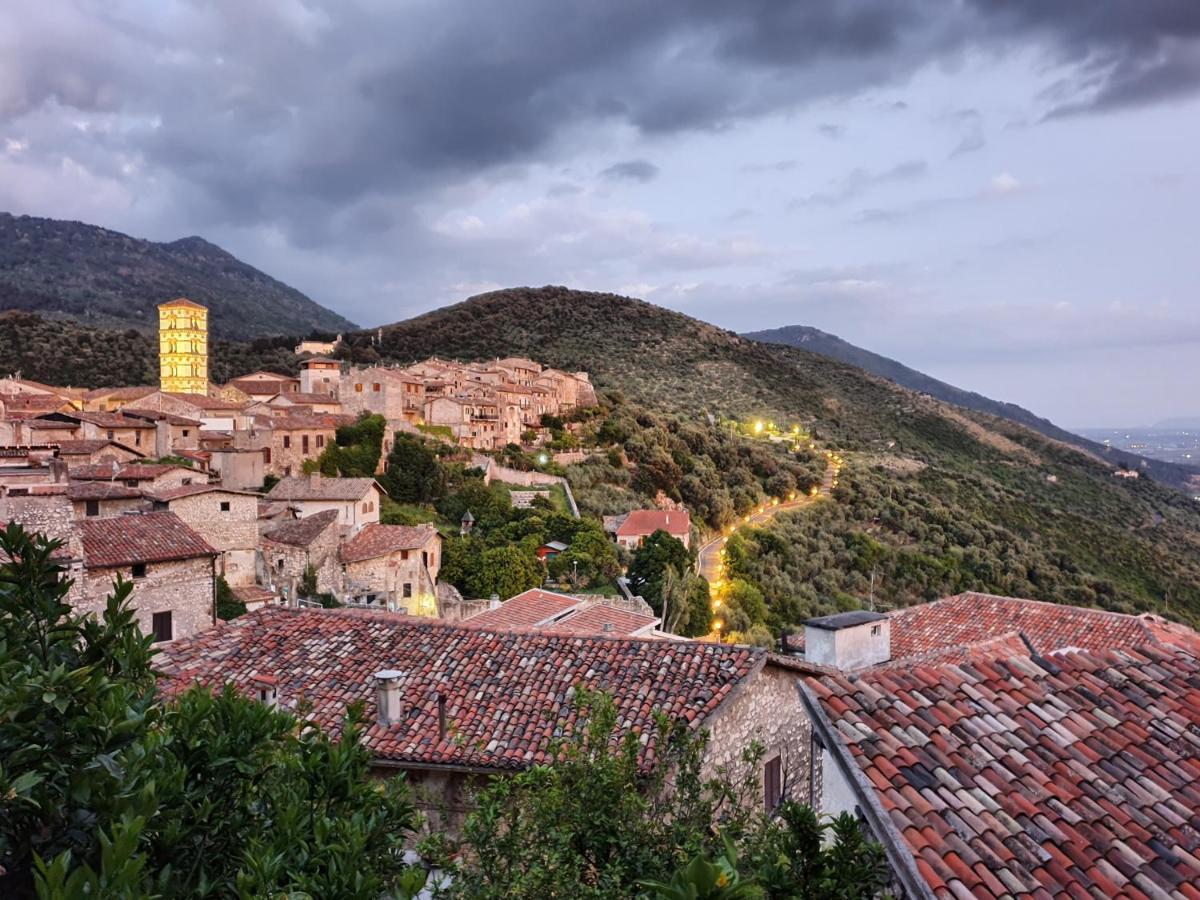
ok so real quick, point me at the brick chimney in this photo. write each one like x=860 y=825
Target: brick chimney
x=388 y=683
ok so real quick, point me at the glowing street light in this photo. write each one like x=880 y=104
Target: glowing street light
x=758 y=427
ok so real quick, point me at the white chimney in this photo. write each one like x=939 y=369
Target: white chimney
x=494 y=602
x=267 y=689
x=387 y=685
x=849 y=640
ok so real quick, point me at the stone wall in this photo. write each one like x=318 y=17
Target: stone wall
x=185 y=587
x=767 y=709
x=234 y=532
x=288 y=451
x=285 y=563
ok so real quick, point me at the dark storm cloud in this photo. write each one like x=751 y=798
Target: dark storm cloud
x=293 y=115
x=632 y=170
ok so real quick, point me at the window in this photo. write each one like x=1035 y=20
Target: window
x=304 y=444
x=320 y=441
x=358 y=389
x=267 y=455
x=186 y=432
x=279 y=564
x=772 y=783
x=287 y=442
x=404 y=554
x=224 y=506
x=92 y=508
x=161 y=627
x=132 y=482
x=137 y=438
x=408 y=589
x=138 y=570
x=375 y=387
x=875 y=630
x=109 y=434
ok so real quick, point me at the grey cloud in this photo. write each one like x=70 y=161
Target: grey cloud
x=859 y=181
x=632 y=170
x=289 y=115
x=783 y=165
x=833 y=132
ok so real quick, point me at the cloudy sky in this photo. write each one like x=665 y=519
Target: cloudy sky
x=1002 y=194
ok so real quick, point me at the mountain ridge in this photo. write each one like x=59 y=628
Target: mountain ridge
x=815 y=340
x=104 y=278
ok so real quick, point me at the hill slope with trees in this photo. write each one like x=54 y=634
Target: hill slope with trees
x=935 y=499
x=817 y=341
x=101 y=277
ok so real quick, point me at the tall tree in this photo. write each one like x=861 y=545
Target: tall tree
x=413 y=473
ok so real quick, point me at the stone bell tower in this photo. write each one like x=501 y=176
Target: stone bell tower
x=183 y=347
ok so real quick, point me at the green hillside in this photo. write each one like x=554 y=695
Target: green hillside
x=935 y=499
x=816 y=341
x=69 y=354
x=100 y=277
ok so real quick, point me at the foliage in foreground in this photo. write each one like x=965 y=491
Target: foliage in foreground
x=595 y=825
x=108 y=789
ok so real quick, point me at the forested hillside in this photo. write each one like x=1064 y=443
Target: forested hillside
x=935 y=499
x=817 y=341
x=100 y=277
x=69 y=354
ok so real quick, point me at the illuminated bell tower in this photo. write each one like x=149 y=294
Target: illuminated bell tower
x=183 y=347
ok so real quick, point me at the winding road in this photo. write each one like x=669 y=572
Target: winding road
x=708 y=560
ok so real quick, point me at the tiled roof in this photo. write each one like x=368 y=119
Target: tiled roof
x=507 y=696
x=101 y=490
x=1075 y=775
x=157 y=416
x=203 y=401
x=166 y=495
x=376 y=540
x=648 y=521
x=971 y=618
x=88 y=447
x=120 y=393
x=144 y=538
x=302 y=532
x=253 y=593
x=525 y=611
x=322 y=422
x=602 y=618
x=110 y=420
x=125 y=471
x=304 y=487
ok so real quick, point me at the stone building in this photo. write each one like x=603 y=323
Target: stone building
x=95 y=452
x=93 y=499
x=320 y=375
x=356 y=500
x=227 y=519
x=172 y=568
x=291 y=440
x=54 y=516
x=422 y=683
x=291 y=548
x=183 y=347
x=392 y=566
x=148 y=476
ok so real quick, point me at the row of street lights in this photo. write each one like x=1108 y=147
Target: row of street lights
x=717 y=586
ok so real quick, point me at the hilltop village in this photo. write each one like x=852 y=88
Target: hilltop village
x=991 y=746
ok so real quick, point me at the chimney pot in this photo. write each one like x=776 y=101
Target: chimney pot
x=387 y=685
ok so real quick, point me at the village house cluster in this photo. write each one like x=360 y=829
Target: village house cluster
x=164 y=484
x=994 y=746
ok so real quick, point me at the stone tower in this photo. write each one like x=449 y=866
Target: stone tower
x=183 y=347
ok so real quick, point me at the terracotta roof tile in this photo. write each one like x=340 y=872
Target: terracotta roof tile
x=165 y=495
x=302 y=532
x=526 y=611
x=507 y=696
x=143 y=538
x=647 y=521
x=603 y=618
x=378 y=540
x=316 y=488
x=126 y=472
x=1088 y=785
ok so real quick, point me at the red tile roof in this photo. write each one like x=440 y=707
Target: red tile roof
x=507 y=696
x=302 y=532
x=126 y=472
x=644 y=522
x=525 y=611
x=970 y=618
x=101 y=490
x=1076 y=774
x=143 y=538
x=307 y=487
x=166 y=495
x=602 y=618
x=88 y=447
x=377 y=540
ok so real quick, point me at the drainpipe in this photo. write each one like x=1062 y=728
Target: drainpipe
x=213 y=562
